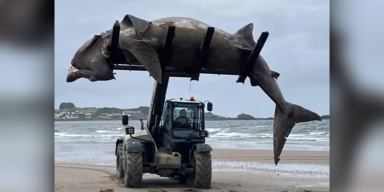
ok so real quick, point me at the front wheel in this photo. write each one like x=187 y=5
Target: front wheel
x=203 y=171
x=133 y=170
x=119 y=163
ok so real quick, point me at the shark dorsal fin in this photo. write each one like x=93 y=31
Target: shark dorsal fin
x=246 y=34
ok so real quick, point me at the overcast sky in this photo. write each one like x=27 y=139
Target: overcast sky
x=297 y=48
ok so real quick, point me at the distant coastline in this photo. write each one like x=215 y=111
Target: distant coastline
x=69 y=112
x=132 y=119
x=324 y=117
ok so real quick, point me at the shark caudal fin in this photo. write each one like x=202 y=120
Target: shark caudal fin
x=283 y=123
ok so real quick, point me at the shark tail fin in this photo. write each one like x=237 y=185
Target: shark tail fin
x=284 y=121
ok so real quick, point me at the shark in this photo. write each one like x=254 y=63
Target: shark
x=141 y=42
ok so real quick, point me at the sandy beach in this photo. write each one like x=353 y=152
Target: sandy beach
x=234 y=170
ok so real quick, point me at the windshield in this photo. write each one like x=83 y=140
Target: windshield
x=187 y=118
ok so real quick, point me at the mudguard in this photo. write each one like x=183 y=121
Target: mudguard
x=134 y=147
x=203 y=147
x=140 y=25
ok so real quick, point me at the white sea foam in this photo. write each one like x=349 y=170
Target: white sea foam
x=308 y=170
x=104 y=131
x=232 y=134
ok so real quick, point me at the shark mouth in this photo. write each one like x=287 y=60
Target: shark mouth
x=74 y=74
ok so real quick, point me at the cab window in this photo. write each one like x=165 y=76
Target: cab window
x=186 y=119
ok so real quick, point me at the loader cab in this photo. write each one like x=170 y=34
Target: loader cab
x=182 y=118
x=182 y=124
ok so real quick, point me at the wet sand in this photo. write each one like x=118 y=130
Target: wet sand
x=234 y=170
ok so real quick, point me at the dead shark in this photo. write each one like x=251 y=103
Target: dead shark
x=141 y=41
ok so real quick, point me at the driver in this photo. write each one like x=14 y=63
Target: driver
x=183 y=119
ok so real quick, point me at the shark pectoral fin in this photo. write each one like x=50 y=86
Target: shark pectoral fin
x=139 y=24
x=146 y=56
x=284 y=122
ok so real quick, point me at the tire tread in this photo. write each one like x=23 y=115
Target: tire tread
x=134 y=170
x=203 y=172
x=119 y=166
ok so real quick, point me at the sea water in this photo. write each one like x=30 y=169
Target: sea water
x=93 y=142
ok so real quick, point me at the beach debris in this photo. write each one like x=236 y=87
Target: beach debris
x=156 y=190
x=107 y=190
x=118 y=181
x=191 y=190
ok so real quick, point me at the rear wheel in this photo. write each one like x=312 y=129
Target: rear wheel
x=133 y=170
x=203 y=171
x=119 y=163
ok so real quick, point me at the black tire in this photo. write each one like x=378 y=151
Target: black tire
x=133 y=170
x=203 y=171
x=183 y=180
x=119 y=163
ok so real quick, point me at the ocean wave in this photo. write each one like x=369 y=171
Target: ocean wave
x=217 y=135
x=228 y=134
x=318 y=133
x=235 y=131
x=213 y=130
x=104 y=131
x=232 y=134
x=84 y=135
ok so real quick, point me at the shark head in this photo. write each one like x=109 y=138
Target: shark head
x=91 y=60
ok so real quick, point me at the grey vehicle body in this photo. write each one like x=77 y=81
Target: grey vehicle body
x=176 y=150
x=141 y=41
